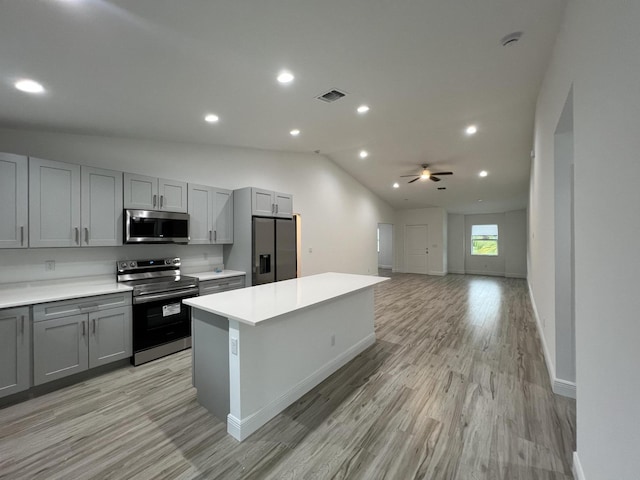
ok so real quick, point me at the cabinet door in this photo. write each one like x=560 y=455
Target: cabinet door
x=284 y=205
x=200 y=203
x=141 y=192
x=223 y=216
x=101 y=207
x=14 y=200
x=54 y=204
x=60 y=348
x=262 y=203
x=110 y=336
x=15 y=350
x=173 y=195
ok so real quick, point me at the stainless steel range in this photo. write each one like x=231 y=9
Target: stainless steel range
x=161 y=322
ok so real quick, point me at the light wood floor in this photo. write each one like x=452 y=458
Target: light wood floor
x=455 y=388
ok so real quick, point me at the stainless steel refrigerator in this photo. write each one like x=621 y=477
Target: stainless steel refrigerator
x=274 y=249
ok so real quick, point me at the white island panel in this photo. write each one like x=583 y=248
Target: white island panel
x=249 y=371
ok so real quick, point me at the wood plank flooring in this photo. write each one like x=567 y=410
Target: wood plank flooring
x=455 y=388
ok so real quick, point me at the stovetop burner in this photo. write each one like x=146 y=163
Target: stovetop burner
x=154 y=276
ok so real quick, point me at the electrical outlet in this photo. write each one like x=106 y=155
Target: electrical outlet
x=234 y=346
x=50 y=265
x=310 y=250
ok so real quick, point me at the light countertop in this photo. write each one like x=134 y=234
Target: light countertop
x=263 y=302
x=204 y=276
x=30 y=293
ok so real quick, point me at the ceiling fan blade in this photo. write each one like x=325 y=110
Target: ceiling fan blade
x=442 y=173
x=409 y=176
x=434 y=179
x=414 y=180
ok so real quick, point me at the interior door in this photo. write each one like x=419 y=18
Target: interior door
x=416 y=249
x=263 y=251
x=285 y=249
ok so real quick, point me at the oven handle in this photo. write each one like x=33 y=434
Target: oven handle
x=162 y=296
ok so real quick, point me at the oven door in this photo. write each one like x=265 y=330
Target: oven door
x=161 y=318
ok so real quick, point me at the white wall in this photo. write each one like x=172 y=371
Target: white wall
x=339 y=215
x=436 y=221
x=456 y=243
x=385 y=255
x=597 y=53
x=512 y=244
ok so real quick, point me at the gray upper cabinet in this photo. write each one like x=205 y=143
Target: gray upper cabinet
x=15 y=350
x=265 y=203
x=54 y=204
x=210 y=215
x=14 y=188
x=101 y=207
x=151 y=193
x=140 y=192
x=284 y=204
x=223 y=216
x=72 y=206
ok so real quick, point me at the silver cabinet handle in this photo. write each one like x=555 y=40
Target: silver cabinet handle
x=94 y=326
x=21 y=234
x=84 y=329
x=209 y=235
x=273 y=208
x=86 y=235
x=277 y=208
x=77 y=235
x=154 y=200
x=22 y=325
x=215 y=235
x=161 y=200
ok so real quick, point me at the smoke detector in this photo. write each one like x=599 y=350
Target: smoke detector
x=510 y=39
x=331 y=96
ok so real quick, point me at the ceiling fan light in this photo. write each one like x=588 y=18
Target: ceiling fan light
x=425 y=175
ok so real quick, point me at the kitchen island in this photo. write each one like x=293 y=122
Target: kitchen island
x=257 y=350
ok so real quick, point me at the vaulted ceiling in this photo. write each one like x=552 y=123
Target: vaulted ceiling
x=427 y=70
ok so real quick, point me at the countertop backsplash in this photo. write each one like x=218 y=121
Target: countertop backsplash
x=34 y=264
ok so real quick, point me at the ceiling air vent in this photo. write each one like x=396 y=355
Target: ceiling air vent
x=331 y=96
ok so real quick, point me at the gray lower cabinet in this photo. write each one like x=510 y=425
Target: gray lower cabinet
x=218 y=285
x=15 y=350
x=71 y=336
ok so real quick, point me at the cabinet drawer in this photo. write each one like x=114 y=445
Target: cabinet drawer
x=221 y=285
x=75 y=306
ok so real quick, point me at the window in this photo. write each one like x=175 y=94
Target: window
x=484 y=240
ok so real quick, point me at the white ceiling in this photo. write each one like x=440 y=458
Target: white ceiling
x=427 y=68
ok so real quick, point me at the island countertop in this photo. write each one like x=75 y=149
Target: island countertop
x=264 y=302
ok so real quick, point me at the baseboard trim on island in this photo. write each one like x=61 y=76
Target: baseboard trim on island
x=241 y=429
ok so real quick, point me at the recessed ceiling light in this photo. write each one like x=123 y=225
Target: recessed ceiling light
x=211 y=118
x=364 y=154
x=396 y=185
x=285 y=77
x=471 y=130
x=363 y=109
x=295 y=132
x=29 y=86
x=483 y=173
x=479 y=200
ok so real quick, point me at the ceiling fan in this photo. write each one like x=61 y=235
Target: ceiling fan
x=427 y=174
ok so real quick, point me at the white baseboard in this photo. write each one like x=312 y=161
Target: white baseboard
x=240 y=429
x=439 y=274
x=457 y=272
x=385 y=266
x=515 y=275
x=578 y=473
x=558 y=385
x=482 y=272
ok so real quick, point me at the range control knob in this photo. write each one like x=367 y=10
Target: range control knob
x=132 y=264
x=167 y=262
x=176 y=261
x=123 y=264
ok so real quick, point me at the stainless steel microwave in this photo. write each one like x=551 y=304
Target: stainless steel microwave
x=149 y=226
